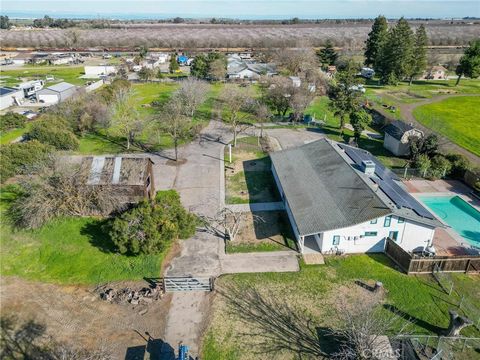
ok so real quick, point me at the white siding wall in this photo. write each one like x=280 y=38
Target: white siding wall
x=392 y=144
x=48 y=98
x=410 y=236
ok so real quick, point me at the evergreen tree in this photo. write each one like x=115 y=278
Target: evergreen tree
x=470 y=62
x=375 y=41
x=199 y=67
x=327 y=55
x=396 y=54
x=359 y=119
x=419 y=59
x=173 y=64
x=344 y=99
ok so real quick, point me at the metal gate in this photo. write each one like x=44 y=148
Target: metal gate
x=171 y=284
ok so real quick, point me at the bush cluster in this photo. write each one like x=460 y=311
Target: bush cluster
x=18 y=158
x=53 y=131
x=11 y=121
x=152 y=225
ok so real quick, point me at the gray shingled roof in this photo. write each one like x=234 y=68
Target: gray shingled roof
x=323 y=191
x=397 y=129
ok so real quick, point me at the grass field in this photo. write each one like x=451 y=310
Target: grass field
x=456 y=118
x=145 y=93
x=70 y=74
x=68 y=251
x=313 y=293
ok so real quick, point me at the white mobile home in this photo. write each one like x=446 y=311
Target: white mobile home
x=10 y=97
x=56 y=93
x=100 y=70
x=30 y=88
x=341 y=199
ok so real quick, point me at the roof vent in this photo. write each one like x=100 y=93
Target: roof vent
x=368 y=167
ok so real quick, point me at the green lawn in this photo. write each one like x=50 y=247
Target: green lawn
x=313 y=291
x=70 y=74
x=10 y=135
x=68 y=251
x=457 y=118
x=145 y=93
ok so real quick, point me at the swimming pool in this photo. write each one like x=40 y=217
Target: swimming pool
x=457 y=213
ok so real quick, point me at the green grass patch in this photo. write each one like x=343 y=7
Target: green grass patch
x=68 y=251
x=455 y=118
x=146 y=93
x=420 y=300
x=7 y=137
x=70 y=74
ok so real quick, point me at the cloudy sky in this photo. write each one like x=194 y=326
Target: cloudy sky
x=243 y=9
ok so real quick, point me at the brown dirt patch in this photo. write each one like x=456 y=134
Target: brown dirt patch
x=264 y=226
x=75 y=314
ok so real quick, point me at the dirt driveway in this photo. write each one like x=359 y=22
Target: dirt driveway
x=75 y=313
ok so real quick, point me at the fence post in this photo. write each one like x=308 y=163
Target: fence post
x=405 y=172
x=464 y=343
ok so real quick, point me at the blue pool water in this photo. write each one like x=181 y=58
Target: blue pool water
x=457 y=213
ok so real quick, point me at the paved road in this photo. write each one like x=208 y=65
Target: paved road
x=198 y=179
x=445 y=143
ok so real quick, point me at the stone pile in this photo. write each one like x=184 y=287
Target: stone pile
x=145 y=295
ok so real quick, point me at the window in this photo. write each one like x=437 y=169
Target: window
x=374 y=221
x=388 y=220
x=393 y=235
x=401 y=220
x=336 y=240
x=370 y=233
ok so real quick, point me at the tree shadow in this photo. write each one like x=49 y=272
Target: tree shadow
x=261 y=185
x=97 y=233
x=273 y=326
x=157 y=349
x=414 y=320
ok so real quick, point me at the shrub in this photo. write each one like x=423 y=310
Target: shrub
x=460 y=165
x=16 y=159
x=54 y=131
x=151 y=226
x=12 y=120
x=423 y=163
x=440 y=166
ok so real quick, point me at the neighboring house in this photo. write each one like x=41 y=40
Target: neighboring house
x=160 y=58
x=100 y=70
x=237 y=68
x=397 y=135
x=436 y=73
x=30 y=88
x=10 y=96
x=56 y=93
x=132 y=178
x=341 y=199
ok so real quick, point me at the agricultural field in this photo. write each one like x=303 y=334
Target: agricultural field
x=350 y=35
x=70 y=74
x=455 y=118
x=68 y=251
x=255 y=313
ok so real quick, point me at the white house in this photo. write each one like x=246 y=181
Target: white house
x=238 y=68
x=397 y=135
x=30 y=88
x=10 y=96
x=341 y=199
x=56 y=93
x=99 y=70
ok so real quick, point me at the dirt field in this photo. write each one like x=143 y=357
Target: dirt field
x=347 y=35
x=73 y=313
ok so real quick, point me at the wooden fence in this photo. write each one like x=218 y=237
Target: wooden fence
x=413 y=264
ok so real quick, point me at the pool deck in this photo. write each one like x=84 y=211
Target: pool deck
x=446 y=241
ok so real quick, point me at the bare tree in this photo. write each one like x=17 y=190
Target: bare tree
x=296 y=60
x=363 y=329
x=237 y=106
x=300 y=99
x=218 y=69
x=175 y=124
x=58 y=189
x=124 y=116
x=276 y=93
x=192 y=94
x=263 y=114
